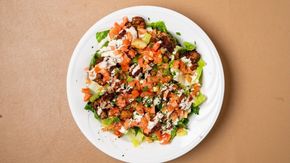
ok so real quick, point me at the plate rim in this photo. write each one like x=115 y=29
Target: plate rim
x=208 y=41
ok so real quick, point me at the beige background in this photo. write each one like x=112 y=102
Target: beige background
x=38 y=37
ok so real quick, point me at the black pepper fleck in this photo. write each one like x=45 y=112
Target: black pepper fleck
x=123 y=155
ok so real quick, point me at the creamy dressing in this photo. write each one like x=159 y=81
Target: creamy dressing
x=135 y=69
x=133 y=32
x=156 y=119
x=123 y=130
x=110 y=59
x=92 y=74
x=186 y=61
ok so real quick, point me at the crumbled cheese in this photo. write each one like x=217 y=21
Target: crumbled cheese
x=187 y=61
x=156 y=101
x=137 y=117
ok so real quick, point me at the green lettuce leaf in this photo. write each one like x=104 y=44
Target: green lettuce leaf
x=159 y=25
x=101 y=35
x=199 y=99
x=189 y=46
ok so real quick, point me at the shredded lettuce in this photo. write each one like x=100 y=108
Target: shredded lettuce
x=89 y=107
x=183 y=123
x=201 y=63
x=181 y=132
x=199 y=99
x=189 y=46
x=173 y=133
x=146 y=38
x=101 y=35
x=96 y=56
x=109 y=121
x=194 y=109
x=95 y=88
x=135 y=136
x=159 y=25
x=96 y=96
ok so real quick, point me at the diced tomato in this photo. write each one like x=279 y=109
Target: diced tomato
x=126 y=42
x=158 y=134
x=176 y=64
x=118 y=133
x=156 y=46
x=97 y=69
x=132 y=53
x=174 y=116
x=114 y=112
x=147 y=93
x=143 y=123
x=150 y=110
x=125 y=20
x=87 y=97
x=86 y=90
x=121 y=101
x=135 y=94
x=140 y=108
x=165 y=138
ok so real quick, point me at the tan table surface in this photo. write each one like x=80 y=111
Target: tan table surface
x=38 y=37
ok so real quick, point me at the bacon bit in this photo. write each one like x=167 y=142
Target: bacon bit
x=156 y=46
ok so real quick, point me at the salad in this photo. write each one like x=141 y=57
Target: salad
x=142 y=82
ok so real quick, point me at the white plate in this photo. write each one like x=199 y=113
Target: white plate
x=199 y=126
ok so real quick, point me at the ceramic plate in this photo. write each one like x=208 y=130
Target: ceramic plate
x=199 y=126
